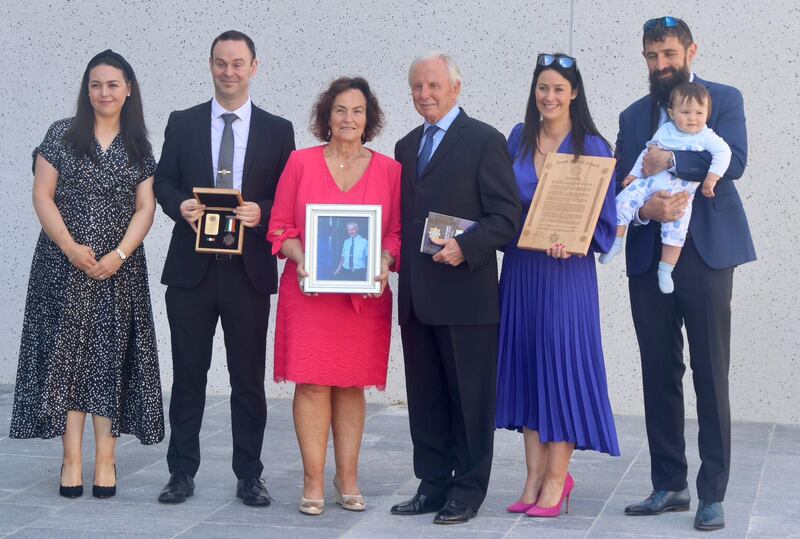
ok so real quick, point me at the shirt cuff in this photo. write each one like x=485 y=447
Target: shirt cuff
x=638 y=221
x=674 y=168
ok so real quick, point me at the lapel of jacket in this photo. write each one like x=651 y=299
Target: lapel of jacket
x=253 y=138
x=411 y=150
x=655 y=117
x=712 y=119
x=450 y=139
x=204 y=134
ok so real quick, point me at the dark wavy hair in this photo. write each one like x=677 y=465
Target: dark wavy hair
x=320 y=124
x=582 y=123
x=133 y=131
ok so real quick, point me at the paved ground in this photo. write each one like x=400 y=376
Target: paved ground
x=759 y=504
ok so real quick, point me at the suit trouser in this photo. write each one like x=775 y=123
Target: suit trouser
x=450 y=382
x=225 y=292
x=701 y=301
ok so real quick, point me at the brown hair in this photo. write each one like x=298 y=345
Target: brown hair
x=320 y=124
x=690 y=91
x=235 y=35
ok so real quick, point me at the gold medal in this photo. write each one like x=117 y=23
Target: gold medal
x=212 y=224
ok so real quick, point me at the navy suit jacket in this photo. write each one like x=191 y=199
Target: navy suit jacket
x=186 y=163
x=718 y=226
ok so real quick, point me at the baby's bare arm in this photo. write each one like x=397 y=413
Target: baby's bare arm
x=709 y=183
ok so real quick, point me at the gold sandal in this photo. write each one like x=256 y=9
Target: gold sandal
x=351 y=502
x=311 y=507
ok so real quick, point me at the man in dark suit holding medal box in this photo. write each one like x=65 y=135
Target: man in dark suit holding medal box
x=227 y=142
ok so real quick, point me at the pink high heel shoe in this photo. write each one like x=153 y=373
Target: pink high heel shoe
x=554 y=511
x=519 y=507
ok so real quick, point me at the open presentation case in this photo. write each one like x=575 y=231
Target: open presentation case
x=218 y=230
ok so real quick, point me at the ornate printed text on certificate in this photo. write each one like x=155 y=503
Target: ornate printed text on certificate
x=567 y=202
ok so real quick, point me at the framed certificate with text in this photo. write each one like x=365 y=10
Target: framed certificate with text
x=343 y=248
x=567 y=202
x=218 y=230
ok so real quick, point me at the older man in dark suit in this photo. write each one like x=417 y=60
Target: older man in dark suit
x=718 y=240
x=226 y=142
x=448 y=302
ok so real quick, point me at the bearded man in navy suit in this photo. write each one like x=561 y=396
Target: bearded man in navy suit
x=718 y=241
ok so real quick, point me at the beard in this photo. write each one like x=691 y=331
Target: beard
x=661 y=87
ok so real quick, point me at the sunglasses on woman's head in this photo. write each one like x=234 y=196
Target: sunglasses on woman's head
x=548 y=59
x=665 y=22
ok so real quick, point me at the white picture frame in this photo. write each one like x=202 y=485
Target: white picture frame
x=336 y=260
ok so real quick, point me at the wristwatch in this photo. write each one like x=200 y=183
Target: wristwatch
x=671 y=160
x=121 y=254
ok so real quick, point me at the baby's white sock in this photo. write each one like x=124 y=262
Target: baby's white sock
x=616 y=249
x=665 y=283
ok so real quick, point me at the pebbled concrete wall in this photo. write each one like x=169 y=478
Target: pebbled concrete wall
x=305 y=44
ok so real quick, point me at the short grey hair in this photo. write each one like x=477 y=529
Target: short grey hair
x=452 y=67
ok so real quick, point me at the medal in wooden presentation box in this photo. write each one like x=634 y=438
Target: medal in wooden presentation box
x=218 y=230
x=567 y=203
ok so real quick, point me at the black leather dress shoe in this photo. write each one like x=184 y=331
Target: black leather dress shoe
x=253 y=492
x=418 y=505
x=660 y=501
x=179 y=487
x=454 y=512
x=710 y=516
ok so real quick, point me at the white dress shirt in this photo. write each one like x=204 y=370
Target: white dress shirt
x=360 y=246
x=241 y=130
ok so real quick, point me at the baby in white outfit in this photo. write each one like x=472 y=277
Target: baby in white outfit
x=690 y=106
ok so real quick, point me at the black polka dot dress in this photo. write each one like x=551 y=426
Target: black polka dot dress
x=89 y=345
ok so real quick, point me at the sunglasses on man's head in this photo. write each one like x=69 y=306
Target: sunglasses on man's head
x=548 y=59
x=665 y=22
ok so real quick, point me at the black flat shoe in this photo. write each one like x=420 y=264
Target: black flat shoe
x=253 y=492
x=710 y=516
x=69 y=492
x=454 y=512
x=659 y=502
x=418 y=505
x=105 y=492
x=179 y=487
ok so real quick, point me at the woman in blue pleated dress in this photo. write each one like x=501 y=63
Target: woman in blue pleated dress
x=551 y=375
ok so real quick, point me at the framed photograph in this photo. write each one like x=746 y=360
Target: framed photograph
x=343 y=248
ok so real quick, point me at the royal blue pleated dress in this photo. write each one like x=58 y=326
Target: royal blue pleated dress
x=551 y=375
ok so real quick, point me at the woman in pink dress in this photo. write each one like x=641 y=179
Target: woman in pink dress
x=334 y=345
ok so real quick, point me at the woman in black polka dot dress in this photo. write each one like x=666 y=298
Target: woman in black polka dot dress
x=88 y=342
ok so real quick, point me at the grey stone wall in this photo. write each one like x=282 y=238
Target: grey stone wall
x=305 y=44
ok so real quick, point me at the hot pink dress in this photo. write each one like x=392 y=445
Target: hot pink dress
x=339 y=340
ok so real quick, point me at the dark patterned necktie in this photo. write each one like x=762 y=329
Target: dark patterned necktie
x=427 y=149
x=352 y=252
x=225 y=161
